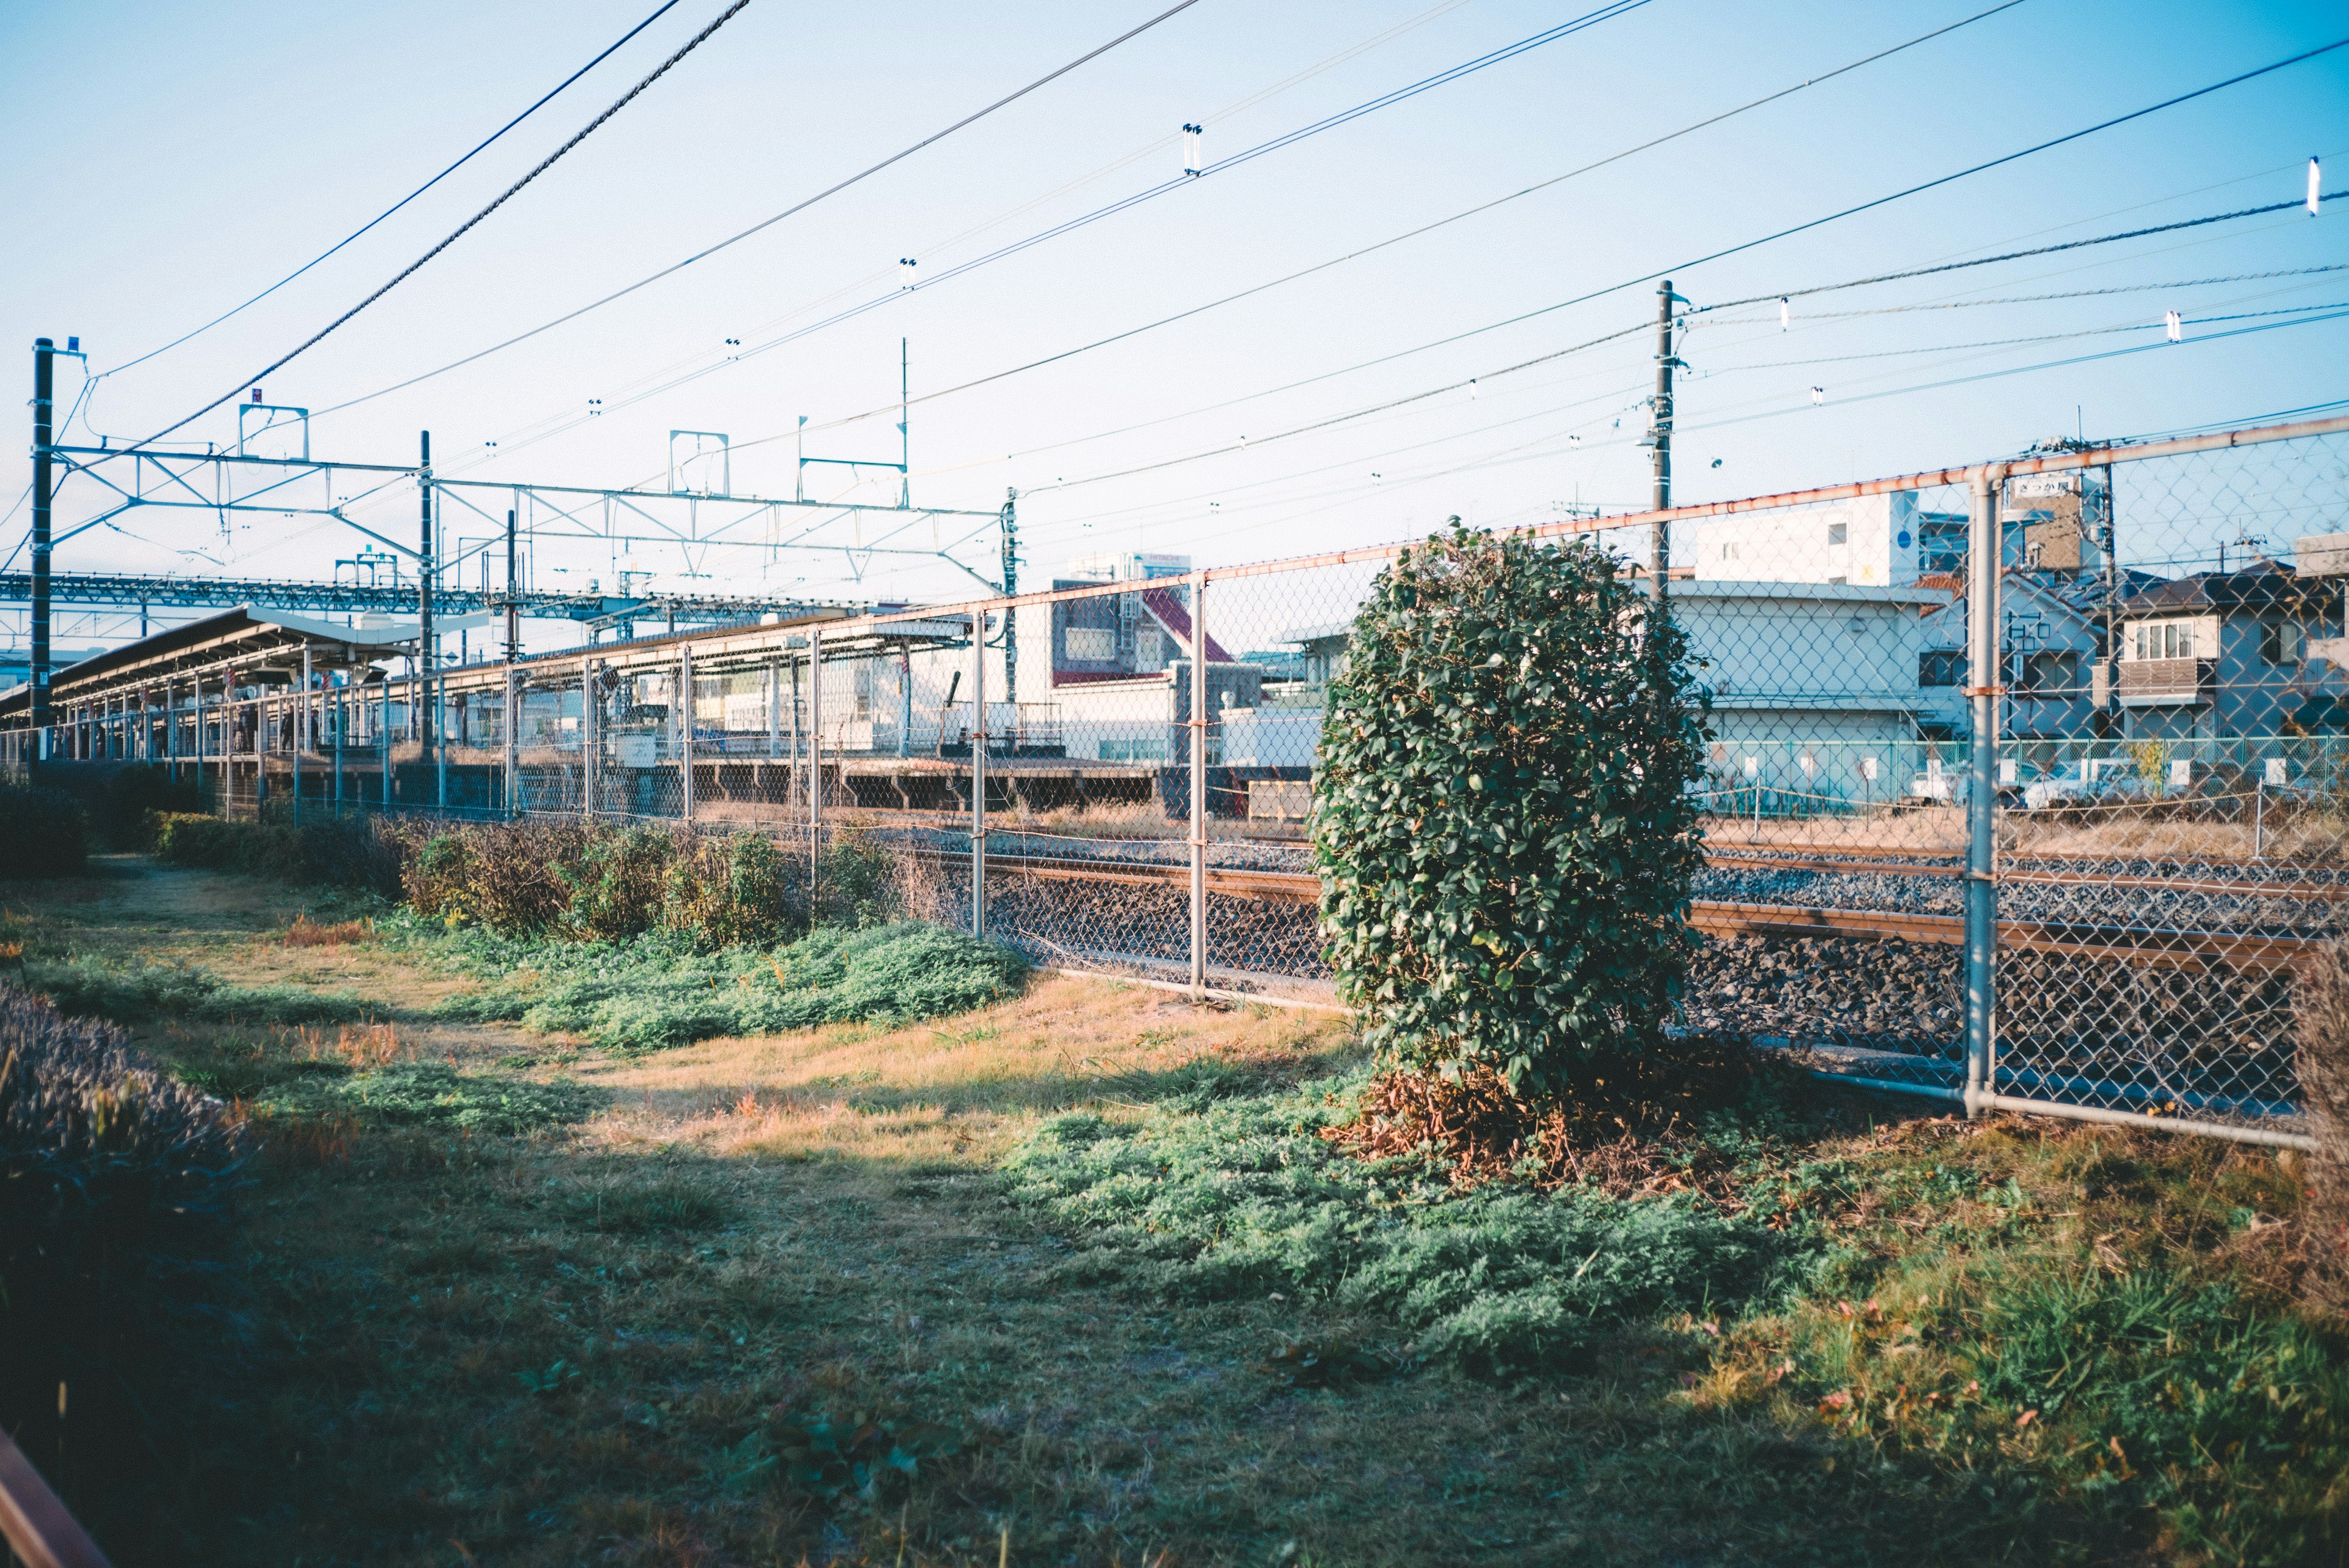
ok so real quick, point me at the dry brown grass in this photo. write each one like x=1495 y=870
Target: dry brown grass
x=306 y=932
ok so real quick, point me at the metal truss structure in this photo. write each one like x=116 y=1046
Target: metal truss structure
x=703 y=526
x=173 y=592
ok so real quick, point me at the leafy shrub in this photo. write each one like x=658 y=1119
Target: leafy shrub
x=132 y=795
x=604 y=882
x=43 y=832
x=728 y=890
x=2322 y=997
x=115 y=1196
x=1241 y=1196
x=430 y=1094
x=324 y=850
x=1502 y=820
x=618 y=885
x=661 y=990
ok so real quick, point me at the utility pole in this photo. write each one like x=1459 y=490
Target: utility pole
x=514 y=596
x=904 y=425
x=1661 y=436
x=43 y=488
x=1010 y=587
x=424 y=575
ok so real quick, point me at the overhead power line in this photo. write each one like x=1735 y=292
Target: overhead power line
x=765 y=223
x=1487 y=206
x=700 y=362
x=667 y=7
x=1650 y=276
x=507 y=194
x=1606 y=12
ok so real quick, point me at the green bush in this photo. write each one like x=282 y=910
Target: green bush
x=1503 y=820
x=1232 y=1197
x=605 y=882
x=131 y=796
x=324 y=850
x=43 y=832
x=618 y=885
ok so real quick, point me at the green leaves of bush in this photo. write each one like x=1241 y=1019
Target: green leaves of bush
x=1502 y=818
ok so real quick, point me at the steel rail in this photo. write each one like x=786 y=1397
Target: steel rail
x=2150 y=947
x=2330 y=892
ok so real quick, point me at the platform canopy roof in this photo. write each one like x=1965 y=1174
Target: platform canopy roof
x=247 y=640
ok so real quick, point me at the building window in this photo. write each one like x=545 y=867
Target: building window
x=1941 y=667
x=2055 y=673
x=2165 y=639
x=2280 y=641
x=1837 y=533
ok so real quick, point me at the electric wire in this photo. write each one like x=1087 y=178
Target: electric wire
x=1606 y=12
x=765 y=223
x=667 y=7
x=548 y=425
x=1321 y=266
x=1750 y=244
x=547 y=163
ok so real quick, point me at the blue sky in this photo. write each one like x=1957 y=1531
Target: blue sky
x=178 y=159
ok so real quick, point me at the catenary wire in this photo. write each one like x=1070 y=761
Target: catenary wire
x=548 y=161
x=769 y=222
x=1321 y=266
x=667 y=7
x=549 y=425
x=1616 y=9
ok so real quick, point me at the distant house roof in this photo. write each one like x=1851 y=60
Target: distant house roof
x=2263 y=585
x=1176 y=620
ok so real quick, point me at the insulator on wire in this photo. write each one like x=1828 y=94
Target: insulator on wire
x=905 y=272
x=1818 y=394
x=2174 y=325
x=2315 y=193
x=1191 y=134
x=1786 y=314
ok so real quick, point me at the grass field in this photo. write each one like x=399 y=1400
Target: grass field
x=1068 y=1279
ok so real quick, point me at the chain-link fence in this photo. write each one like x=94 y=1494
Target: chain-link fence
x=2052 y=836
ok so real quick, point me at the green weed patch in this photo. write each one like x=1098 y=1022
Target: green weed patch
x=139 y=992
x=428 y=1094
x=1238 y=1198
x=660 y=990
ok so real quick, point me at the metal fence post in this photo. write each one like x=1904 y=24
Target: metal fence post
x=589 y=783
x=342 y=721
x=1198 y=728
x=814 y=765
x=685 y=730
x=196 y=703
x=301 y=734
x=1985 y=686
x=979 y=773
x=383 y=739
x=513 y=739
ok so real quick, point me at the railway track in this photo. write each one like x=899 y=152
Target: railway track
x=2138 y=946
